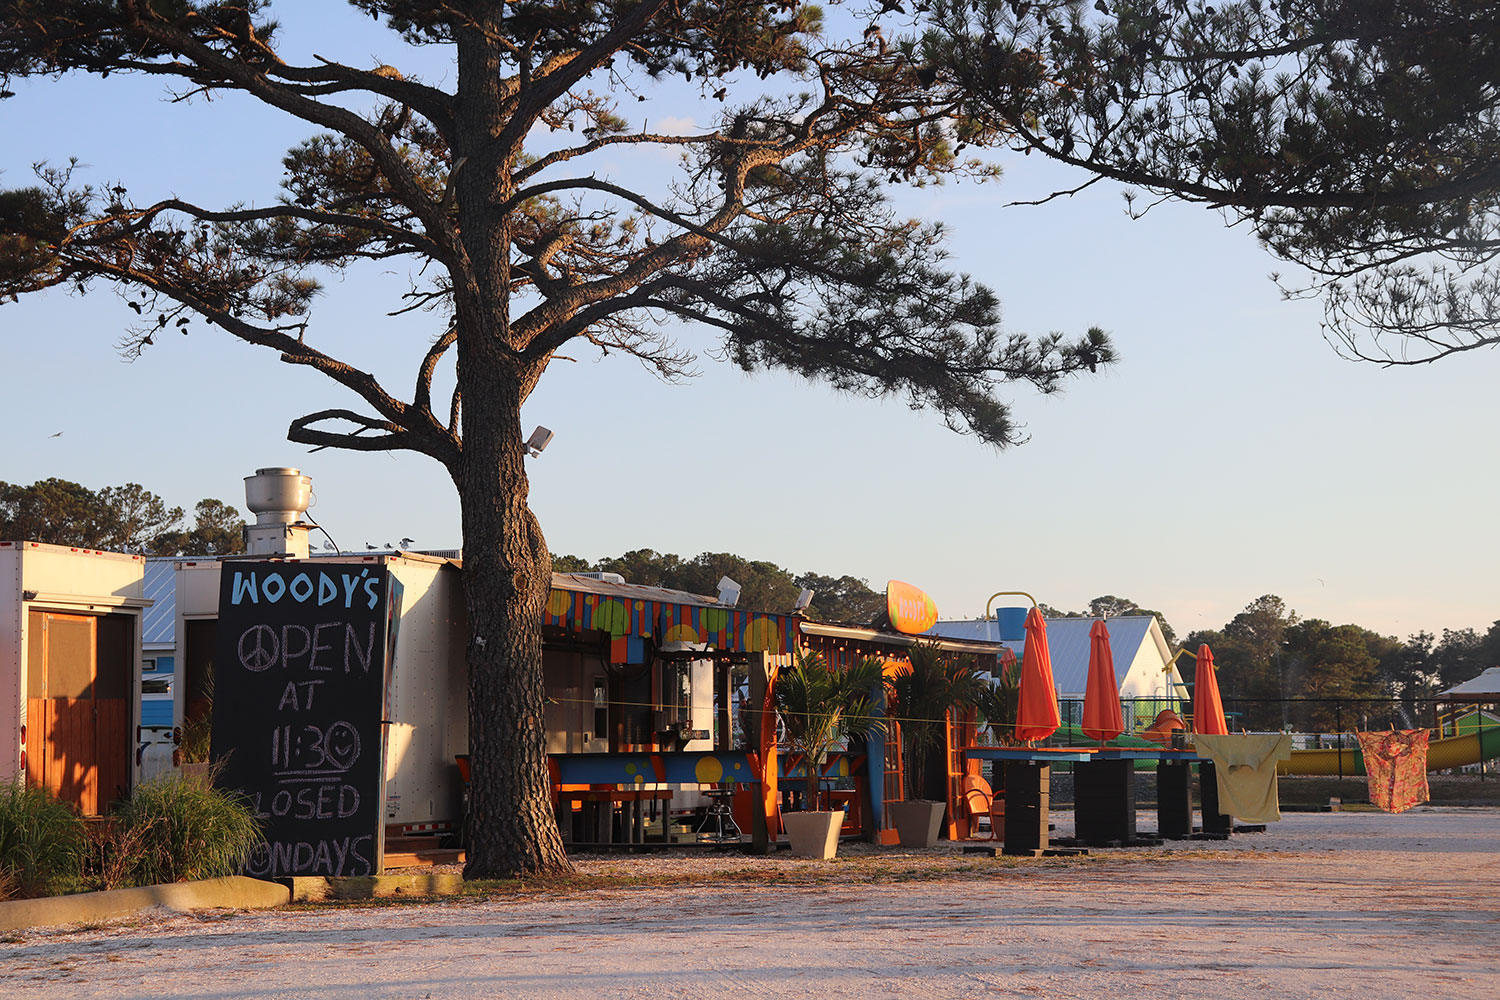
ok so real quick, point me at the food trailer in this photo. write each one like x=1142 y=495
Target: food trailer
x=70 y=667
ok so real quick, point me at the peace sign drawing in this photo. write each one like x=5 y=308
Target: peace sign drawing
x=259 y=648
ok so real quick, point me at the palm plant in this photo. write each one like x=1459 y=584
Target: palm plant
x=998 y=703
x=923 y=695
x=820 y=707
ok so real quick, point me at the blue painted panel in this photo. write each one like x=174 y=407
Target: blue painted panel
x=690 y=767
x=842 y=767
x=157 y=712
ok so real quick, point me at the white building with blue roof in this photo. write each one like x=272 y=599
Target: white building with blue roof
x=1144 y=665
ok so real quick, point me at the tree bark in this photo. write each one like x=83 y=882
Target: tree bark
x=507 y=576
x=507 y=569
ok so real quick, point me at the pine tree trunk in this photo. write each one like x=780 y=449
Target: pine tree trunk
x=507 y=575
x=507 y=569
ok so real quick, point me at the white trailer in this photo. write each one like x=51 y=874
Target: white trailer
x=426 y=718
x=70 y=670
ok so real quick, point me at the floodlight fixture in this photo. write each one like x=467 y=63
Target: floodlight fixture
x=538 y=441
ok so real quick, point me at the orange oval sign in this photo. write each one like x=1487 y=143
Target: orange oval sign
x=910 y=610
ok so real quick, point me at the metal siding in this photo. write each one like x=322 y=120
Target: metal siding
x=81 y=573
x=12 y=665
x=421 y=771
x=156 y=712
x=158 y=622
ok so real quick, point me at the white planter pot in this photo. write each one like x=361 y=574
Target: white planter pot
x=917 y=821
x=813 y=834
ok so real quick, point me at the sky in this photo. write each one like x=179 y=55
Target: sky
x=1229 y=453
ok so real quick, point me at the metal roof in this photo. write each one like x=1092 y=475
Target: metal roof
x=585 y=584
x=899 y=640
x=1483 y=687
x=159 y=621
x=1068 y=642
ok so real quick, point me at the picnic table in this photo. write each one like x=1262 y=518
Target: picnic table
x=1103 y=787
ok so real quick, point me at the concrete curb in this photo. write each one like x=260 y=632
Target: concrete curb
x=235 y=892
x=317 y=888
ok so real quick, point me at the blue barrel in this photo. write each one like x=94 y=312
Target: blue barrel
x=1012 y=622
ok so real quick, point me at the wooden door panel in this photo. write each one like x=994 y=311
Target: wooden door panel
x=79 y=708
x=74 y=753
x=69 y=759
x=36 y=740
x=112 y=743
x=60 y=754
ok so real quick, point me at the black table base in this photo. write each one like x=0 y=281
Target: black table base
x=1104 y=802
x=1028 y=799
x=1174 y=800
x=1214 y=822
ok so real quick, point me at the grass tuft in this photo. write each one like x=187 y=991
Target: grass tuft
x=172 y=830
x=42 y=843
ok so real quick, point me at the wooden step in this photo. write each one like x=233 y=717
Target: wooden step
x=414 y=859
x=415 y=850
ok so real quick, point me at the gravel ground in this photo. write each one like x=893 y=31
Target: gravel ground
x=1340 y=904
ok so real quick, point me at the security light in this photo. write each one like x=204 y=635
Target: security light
x=537 y=441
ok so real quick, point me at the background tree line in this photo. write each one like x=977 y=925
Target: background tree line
x=127 y=518
x=1268 y=655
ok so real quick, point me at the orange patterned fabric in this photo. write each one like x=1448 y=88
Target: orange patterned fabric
x=1396 y=763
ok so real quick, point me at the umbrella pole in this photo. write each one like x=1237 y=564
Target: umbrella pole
x=1340 y=724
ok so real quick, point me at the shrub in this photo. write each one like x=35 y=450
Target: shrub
x=178 y=829
x=42 y=843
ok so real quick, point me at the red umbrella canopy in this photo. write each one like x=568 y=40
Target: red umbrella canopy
x=1036 y=717
x=1102 y=718
x=1208 y=710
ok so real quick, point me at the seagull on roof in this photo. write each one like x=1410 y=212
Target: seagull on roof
x=406 y=542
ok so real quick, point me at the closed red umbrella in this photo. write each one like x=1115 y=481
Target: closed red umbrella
x=1036 y=716
x=1208 y=710
x=1102 y=718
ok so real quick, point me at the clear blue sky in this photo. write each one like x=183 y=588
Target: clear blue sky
x=1228 y=454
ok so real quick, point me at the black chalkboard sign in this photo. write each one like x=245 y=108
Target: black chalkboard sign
x=299 y=692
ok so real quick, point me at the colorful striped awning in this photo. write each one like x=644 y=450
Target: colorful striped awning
x=625 y=617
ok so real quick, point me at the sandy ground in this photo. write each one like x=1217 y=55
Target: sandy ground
x=1325 y=905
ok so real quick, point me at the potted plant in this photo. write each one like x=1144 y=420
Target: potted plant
x=193 y=747
x=922 y=696
x=820 y=707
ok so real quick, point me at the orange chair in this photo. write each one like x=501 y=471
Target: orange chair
x=982 y=802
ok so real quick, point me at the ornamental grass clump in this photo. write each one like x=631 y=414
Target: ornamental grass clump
x=179 y=830
x=42 y=843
